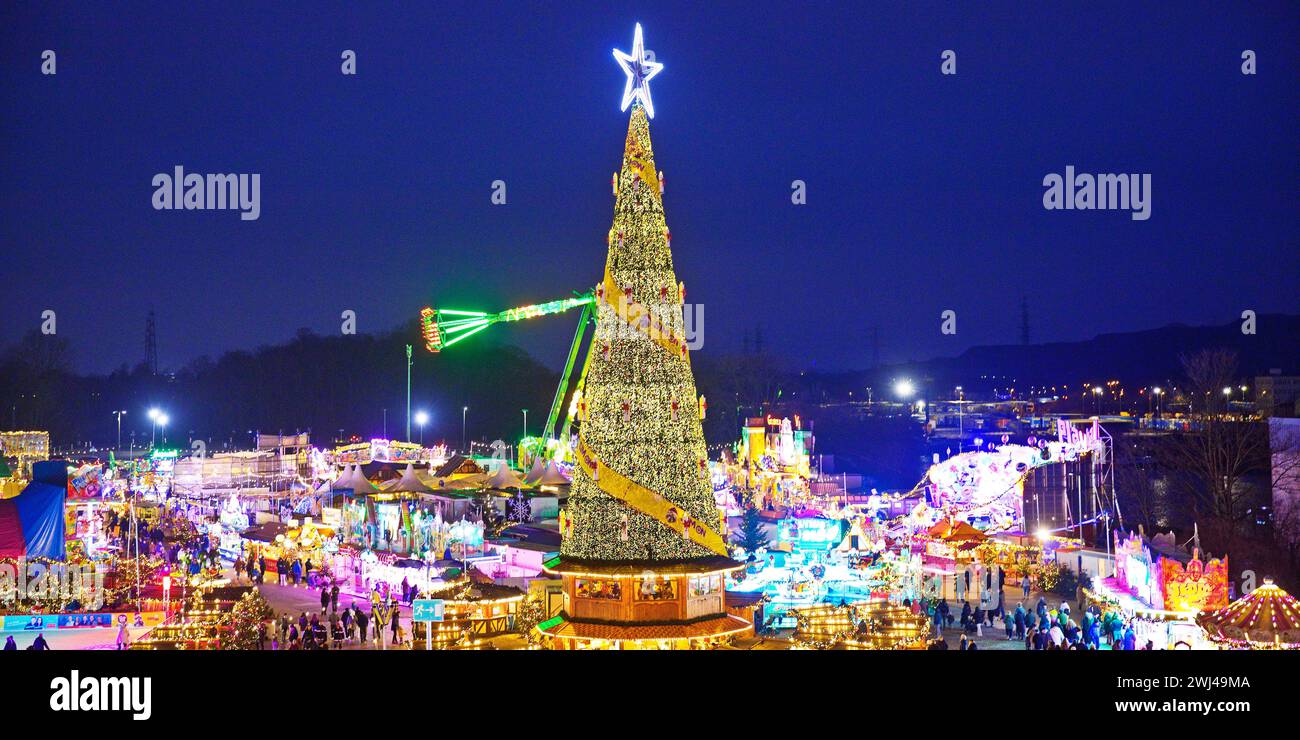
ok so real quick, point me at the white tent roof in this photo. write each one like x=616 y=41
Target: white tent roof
x=448 y=483
x=535 y=472
x=504 y=477
x=409 y=482
x=353 y=478
x=552 y=476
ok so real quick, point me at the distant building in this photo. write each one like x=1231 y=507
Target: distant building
x=1277 y=395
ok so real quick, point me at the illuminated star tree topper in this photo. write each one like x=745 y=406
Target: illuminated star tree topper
x=639 y=71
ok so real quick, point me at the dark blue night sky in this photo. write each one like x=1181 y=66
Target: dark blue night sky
x=924 y=190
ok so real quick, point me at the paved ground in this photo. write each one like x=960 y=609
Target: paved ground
x=295 y=600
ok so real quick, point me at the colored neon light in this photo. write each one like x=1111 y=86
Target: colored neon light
x=639 y=71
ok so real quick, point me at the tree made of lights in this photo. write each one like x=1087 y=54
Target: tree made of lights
x=641 y=491
x=642 y=555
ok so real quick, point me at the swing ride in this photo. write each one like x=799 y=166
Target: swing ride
x=443 y=328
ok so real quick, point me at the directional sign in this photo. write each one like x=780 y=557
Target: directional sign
x=427 y=610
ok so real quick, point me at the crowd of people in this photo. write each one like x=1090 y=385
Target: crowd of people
x=296 y=571
x=1040 y=628
x=381 y=624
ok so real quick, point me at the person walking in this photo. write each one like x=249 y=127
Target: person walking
x=362 y=622
x=297 y=571
x=123 y=636
x=280 y=568
x=324 y=599
x=347 y=625
x=334 y=597
x=395 y=616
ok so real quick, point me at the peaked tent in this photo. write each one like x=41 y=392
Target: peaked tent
x=408 y=483
x=355 y=480
x=535 y=473
x=552 y=476
x=504 y=478
x=447 y=484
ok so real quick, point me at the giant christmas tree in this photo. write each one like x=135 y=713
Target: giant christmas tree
x=642 y=557
x=641 y=491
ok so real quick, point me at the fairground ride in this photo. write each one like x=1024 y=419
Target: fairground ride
x=443 y=328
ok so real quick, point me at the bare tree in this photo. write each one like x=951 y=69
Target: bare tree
x=1215 y=461
x=1139 y=481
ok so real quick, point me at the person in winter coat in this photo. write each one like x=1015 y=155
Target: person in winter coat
x=1130 y=638
x=362 y=622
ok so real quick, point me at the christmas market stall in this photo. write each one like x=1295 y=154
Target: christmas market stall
x=867 y=625
x=474 y=610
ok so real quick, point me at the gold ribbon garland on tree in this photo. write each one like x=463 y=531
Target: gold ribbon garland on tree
x=614 y=483
x=647 y=502
x=638 y=316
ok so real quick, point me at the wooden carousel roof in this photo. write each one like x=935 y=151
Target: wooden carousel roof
x=700 y=629
x=1268 y=616
x=956 y=531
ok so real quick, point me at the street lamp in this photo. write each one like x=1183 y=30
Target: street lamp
x=525 y=423
x=904 y=389
x=464 y=410
x=421 y=418
x=1097 y=391
x=162 y=421
x=119 y=414
x=153 y=414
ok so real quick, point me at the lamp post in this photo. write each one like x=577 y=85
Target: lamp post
x=153 y=414
x=119 y=414
x=408 y=393
x=464 y=410
x=525 y=423
x=1097 y=391
x=162 y=421
x=421 y=418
